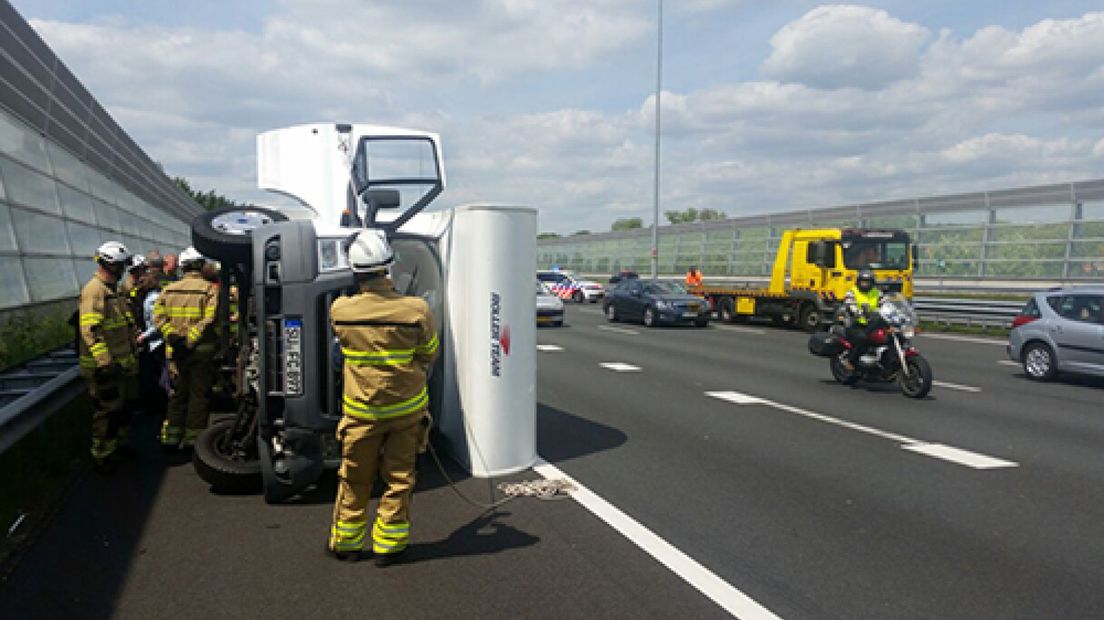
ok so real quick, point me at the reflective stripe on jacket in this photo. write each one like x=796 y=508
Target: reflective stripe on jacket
x=187 y=308
x=389 y=342
x=106 y=329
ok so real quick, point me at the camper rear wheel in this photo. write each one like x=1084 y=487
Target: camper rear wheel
x=224 y=234
x=220 y=463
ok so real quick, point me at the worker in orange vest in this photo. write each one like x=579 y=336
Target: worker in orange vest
x=693 y=277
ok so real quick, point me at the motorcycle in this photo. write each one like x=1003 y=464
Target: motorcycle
x=891 y=356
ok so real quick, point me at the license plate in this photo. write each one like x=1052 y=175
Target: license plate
x=689 y=315
x=293 y=357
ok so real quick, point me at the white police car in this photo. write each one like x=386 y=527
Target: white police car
x=565 y=285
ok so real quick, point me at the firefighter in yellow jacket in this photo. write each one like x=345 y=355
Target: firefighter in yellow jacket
x=389 y=342
x=108 y=359
x=185 y=314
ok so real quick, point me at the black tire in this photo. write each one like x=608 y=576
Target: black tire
x=919 y=381
x=810 y=318
x=782 y=320
x=220 y=235
x=558 y=323
x=611 y=314
x=220 y=469
x=649 y=317
x=728 y=310
x=701 y=322
x=1039 y=363
x=841 y=374
x=578 y=297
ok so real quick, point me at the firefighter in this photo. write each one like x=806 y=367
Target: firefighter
x=862 y=299
x=388 y=342
x=108 y=359
x=185 y=315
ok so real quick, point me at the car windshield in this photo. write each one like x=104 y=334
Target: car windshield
x=664 y=288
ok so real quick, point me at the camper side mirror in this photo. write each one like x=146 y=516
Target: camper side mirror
x=382 y=198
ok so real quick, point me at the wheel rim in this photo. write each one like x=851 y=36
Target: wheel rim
x=1037 y=362
x=239 y=222
x=649 y=317
x=914 y=382
x=812 y=319
x=611 y=313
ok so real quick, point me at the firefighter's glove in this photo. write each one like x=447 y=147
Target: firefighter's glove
x=423 y=437
x=177 y=342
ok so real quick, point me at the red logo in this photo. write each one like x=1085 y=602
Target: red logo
x=504 y=339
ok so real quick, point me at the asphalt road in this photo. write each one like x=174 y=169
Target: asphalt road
x=803 y=499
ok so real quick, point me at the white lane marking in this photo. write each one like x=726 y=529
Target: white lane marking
x=619 y=367
x=907 y=443
x=992 y=341
x=743 y=330
x=958 y=455
x=1008 y=363
x=619 y=330
x=591 y=310
x=549 y=347
x=955 y=386
x=687 y=568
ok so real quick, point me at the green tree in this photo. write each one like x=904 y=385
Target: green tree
x=548 y=235
x=578 y=233
x=627 y=223
x=693 y=215
x=209 y=200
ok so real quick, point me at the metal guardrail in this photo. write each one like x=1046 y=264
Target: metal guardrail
x=34 y=391
x=969 y=312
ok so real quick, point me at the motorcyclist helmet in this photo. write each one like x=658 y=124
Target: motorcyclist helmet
x=369 y=252
x=191 y=259
x=865 y=281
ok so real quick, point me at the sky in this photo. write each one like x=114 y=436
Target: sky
x=766 y=105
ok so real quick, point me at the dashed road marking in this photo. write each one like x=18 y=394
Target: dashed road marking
x=742 y=330
x=549 y=347
x=687 y=568
x=619 y=367
x=619 y=330
x=935 y=450
x=1008 y=363
x=955 y=386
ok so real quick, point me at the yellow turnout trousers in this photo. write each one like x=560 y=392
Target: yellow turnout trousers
x=388 y=446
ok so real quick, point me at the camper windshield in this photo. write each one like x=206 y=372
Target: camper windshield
x=407 y=164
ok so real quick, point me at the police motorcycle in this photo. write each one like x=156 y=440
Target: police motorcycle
x=285 y=380
x=891 y=355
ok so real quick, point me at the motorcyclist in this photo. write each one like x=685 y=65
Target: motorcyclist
x=861 y=302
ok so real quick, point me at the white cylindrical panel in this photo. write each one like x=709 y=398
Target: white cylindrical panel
x=492 y=315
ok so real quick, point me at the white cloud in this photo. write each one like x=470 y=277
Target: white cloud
x=840 y=46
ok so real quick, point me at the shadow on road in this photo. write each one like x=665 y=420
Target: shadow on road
x=484 y=535
x=562 y=436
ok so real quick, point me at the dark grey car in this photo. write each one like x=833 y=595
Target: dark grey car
x=654 y=302
x=1060 y=331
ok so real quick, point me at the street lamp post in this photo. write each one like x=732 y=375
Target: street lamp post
x=659 y=87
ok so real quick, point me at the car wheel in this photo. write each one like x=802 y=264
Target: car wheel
x=701 y=322
x=1039 y=362
x=649 y=317
x=611 y=314
x=220 y=463
x=224 y=234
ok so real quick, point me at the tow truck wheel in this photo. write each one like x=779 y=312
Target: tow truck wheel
x=810 y=318
x=223 y=234
x=220 y=462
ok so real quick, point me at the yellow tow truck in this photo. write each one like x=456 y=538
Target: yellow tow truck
x=813 y=271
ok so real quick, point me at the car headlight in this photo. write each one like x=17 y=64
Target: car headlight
x=662 y=305
x=909 y=332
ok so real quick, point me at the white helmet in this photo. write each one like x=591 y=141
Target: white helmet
x=370 y=252
x=137 y=261
x=189 y=257
x=112 y=253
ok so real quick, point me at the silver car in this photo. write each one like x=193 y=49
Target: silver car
x=550 y=309
x=1060 y=330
